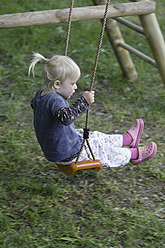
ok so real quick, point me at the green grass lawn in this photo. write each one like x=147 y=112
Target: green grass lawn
x=39 y=206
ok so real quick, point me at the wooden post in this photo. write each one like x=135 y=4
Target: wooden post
x=122 y=55
x=155 y=39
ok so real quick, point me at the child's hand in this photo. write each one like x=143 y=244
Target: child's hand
x=89 y=96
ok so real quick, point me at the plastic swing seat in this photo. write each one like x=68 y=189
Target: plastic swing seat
x=82 y=165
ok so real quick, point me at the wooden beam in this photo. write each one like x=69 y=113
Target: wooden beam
x=129 y=24
x=137 y=53
x=79 y=14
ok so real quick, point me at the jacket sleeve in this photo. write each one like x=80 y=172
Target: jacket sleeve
x=66 y=116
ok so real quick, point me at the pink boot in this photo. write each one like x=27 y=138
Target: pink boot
x=145 y=153
x=135 y=131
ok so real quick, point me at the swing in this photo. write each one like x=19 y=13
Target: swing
x=94 y=164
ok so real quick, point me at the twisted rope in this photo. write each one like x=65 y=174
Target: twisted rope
x=93 y=78
x=97 y=55
x=69 y=27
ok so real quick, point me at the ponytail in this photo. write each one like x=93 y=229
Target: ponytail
x=59 y=67
x=36 y=58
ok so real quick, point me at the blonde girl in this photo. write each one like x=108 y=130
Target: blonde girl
x=54 y=120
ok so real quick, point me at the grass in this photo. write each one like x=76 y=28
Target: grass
x=39 y=206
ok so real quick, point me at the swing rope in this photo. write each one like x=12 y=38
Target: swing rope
x=97 y=56
x=86 y=129
x=69 y=27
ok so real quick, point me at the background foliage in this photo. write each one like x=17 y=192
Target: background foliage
x=41 y=207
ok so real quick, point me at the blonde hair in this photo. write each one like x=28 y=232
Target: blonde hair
x=59 y=67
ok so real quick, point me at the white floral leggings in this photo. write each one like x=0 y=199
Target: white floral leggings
x=107 y=148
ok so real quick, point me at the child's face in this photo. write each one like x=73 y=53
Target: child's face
x=68 y=87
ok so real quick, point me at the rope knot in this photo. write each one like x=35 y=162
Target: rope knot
x=86 y=133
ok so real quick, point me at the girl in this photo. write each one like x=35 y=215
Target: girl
x=54 y=120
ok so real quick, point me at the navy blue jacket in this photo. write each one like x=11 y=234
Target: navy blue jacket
x=58 y=141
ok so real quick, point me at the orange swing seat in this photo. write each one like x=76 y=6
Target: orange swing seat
x=82 y=165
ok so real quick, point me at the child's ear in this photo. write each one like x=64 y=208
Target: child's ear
x=56 y=84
